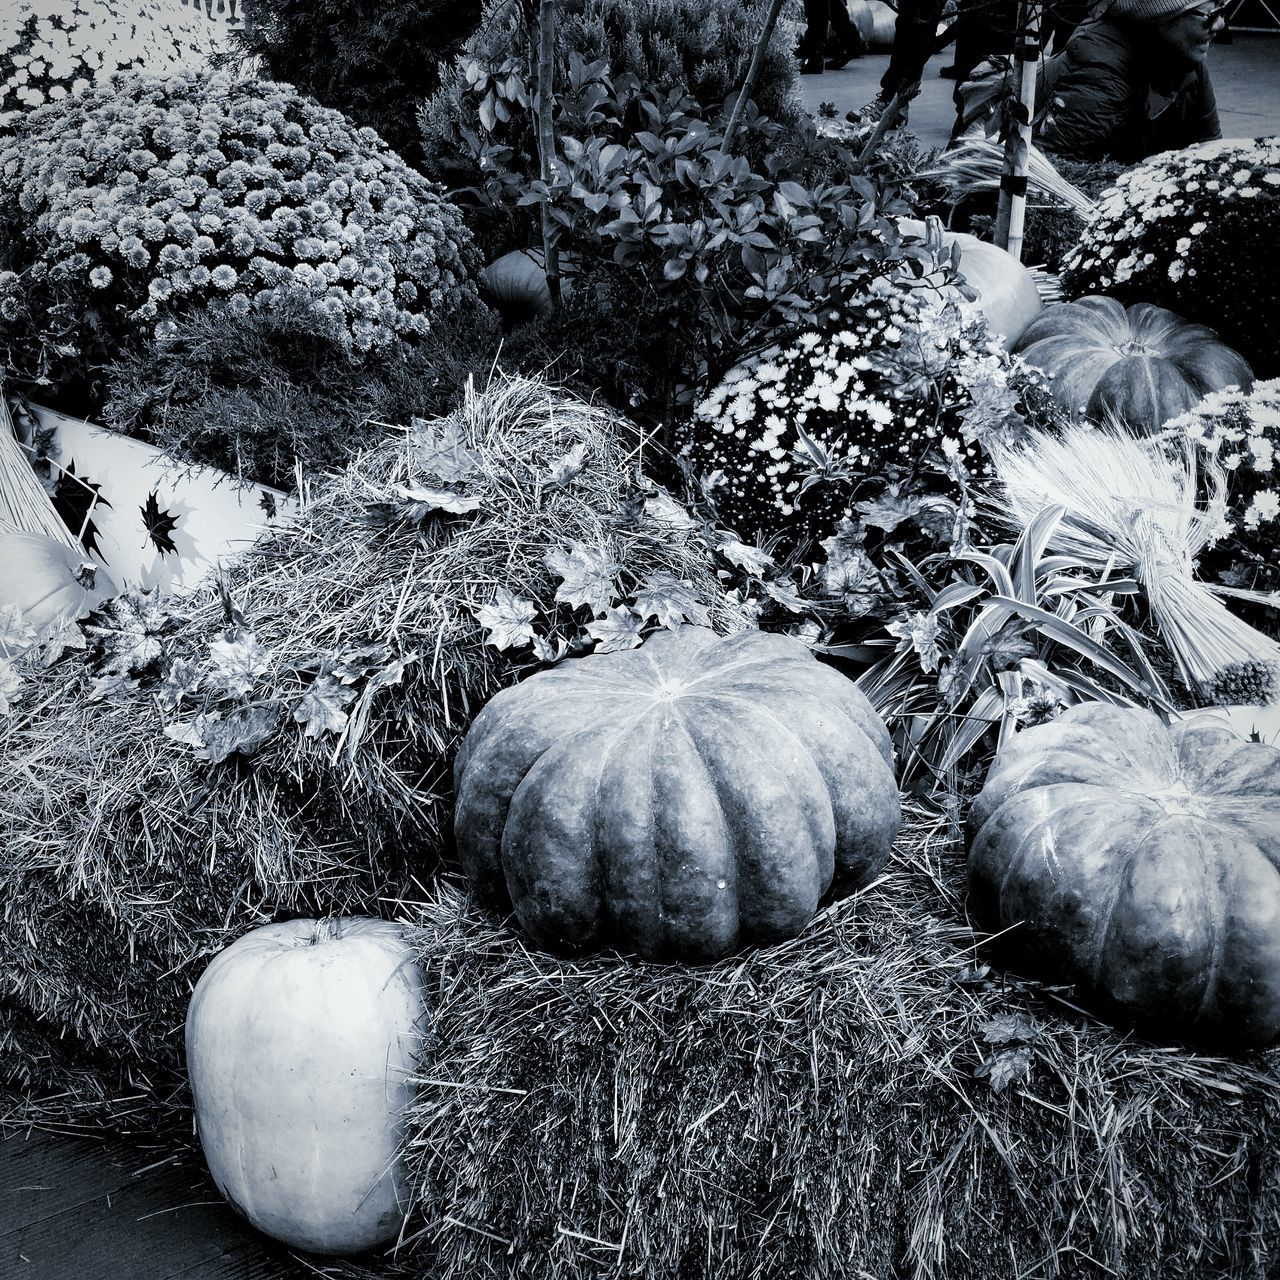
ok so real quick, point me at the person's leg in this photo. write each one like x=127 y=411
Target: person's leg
x=845 y=39
x=813 y=42
x=914 y=34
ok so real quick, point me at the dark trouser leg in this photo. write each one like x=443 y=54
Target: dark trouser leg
x=817 y=17
x=914 y=35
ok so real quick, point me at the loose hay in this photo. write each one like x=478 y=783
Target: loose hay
x=812 y=1110
x=125 y=862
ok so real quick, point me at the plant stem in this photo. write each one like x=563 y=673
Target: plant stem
x=753 y=73
x=1017 y=150
x=547 y=139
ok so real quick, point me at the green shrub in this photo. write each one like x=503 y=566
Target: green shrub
x=258 y=395
x=697 y=47
x=373 y=61
x=132 y=205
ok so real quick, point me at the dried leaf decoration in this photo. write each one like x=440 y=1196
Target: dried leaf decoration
x=322 y=708
x=16 y=633
x=1013 y=1034
x=214 y=736
x=417 y=502
x=238 y=663
x=129 y=634
x=619 y=629
x=508 y=620
x=10 y=687
x=159 y=525
x=565 y=468
x=441 y=450
x=587 y=575
x=746 y=557
x=672 y=601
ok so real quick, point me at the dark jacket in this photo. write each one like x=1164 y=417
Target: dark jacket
x=1115 y=94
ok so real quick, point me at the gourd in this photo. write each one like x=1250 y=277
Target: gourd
x=49 y=582
x=678 y=800
x=875 y=22
x=1141 y=862
x=1141 y=364
x=517 y=286
x=1007 y=293
x=300 y=1038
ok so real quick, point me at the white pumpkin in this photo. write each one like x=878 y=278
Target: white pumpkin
x=50 y=583
x=1007 y=293
x=301 y=1038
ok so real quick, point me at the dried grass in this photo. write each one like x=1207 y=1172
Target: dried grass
x=126 y=862
x=812 y=1110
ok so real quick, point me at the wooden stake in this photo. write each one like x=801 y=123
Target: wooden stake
x=1011 y=216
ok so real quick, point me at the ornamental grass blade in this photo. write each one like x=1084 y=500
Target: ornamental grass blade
x=986 y=710
x=1029 y=549
x=1055 y=627
x=995 y=568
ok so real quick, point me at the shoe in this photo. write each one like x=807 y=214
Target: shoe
x=949 y=73
x=811 y=66
x=874 y=109
x=839 y=61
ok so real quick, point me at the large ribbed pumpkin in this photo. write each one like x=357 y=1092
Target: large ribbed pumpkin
x=1141 y=862
x=50 y=583
x=1141 y=364
x=301 y=1041
x=678 y=800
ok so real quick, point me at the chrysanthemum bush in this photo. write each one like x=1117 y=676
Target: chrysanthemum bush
x=52 y=48
x=135 y=202
x=1241 y=430
x=1194 y=231
x=884 y=417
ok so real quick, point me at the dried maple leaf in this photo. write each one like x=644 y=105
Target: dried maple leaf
x=672 y=601
x=545 y=651
x=322 y=707
x=440 y=449
x=10 y=687
x=1007 y=1067
x=618 y=629
x=743 y=556
x=110 y=685
x=921 y=631
x=664 y=510
x=58 y=639
x=129 y=634
x=587 y=575
x=74 y=498
x=417 y=503
x=565 y=468
x=159 y=525
x=214 y=736
x=1010 y=1028
x=181 y=679
x=508 y=620
x=16 y=634
x=238 y=663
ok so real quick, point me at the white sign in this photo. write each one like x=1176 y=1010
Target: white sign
x=154 y=522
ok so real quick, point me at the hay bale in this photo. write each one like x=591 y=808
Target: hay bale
x=126 y=861
x=813 y=1110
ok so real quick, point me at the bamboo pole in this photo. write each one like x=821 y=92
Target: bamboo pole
x=753 y=73
x=547 y=140
x=1011 y=215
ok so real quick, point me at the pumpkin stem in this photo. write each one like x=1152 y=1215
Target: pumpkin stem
x=86 y=575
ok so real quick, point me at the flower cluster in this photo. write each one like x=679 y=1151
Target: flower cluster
x=52 y=48
x=1193 y=231
x=1241 y=431
x=130 y=204
x=865 y=421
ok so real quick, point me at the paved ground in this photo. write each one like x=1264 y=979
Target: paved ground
x=1246 y=78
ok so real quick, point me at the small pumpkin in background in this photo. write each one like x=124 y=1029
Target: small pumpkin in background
x=50 y=583
x=301 y=1039
x=1141 y=862
x=677 y=800
x=1140 y=364
x=516 y=285
x=1006 y=290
